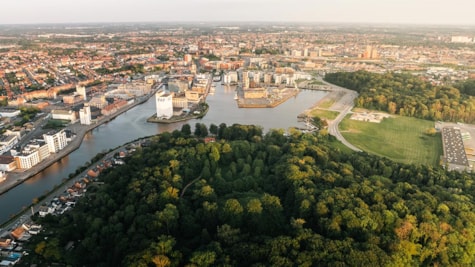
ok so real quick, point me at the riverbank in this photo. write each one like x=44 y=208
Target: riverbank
x=331 y=97
x=18 y=177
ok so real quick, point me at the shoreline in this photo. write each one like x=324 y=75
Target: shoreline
x=331 y=95
x=17 y=177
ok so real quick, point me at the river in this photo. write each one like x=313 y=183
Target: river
x=132 y=125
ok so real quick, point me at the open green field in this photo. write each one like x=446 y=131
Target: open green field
x=401 y=139
x=326 y=103
x=324 y=114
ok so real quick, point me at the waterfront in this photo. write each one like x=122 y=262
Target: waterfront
x=132 y=125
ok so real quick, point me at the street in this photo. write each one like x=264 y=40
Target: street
x=343 y=105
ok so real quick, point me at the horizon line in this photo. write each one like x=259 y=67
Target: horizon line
x=240 y=22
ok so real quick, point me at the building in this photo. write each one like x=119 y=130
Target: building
x=56 y=140
x=81 y=90
x=370 y=53
x=164 y=102
x=7 y=163
x=39 y=146
x=5 y=243
x=178 y=86
x=61 y=114
x=455 y=157
x=187 y=58
x=45 y=210
x=114 y=107
x=72 y=99
x=7 y=142
x=18 y=133
x=180 y=102
x=255 y=93
x=192 y=96
x=43 y=150
x=245 y=79
x=231 y=77
x=133 y=89
x=267 y=78
x=26 y=161
x=257 y=77
x=98 y=102
x=85 y=115
x=9 y=112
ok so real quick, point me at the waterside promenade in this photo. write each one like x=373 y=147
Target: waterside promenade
x=19 y=176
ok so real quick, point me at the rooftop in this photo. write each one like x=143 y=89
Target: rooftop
x=454 y=150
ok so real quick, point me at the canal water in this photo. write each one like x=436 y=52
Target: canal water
x=132 y=125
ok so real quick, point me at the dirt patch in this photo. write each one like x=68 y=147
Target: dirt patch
x=375 y=117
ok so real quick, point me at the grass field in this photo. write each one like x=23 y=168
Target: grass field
x=326 y=103
x=401 y=139
x=324 y=114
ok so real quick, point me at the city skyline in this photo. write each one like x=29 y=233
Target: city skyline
x=456 y=12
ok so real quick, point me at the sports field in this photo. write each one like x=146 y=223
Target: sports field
x=401 y=139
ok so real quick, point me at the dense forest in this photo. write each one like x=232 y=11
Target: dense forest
x=254 y=199
x=409 y=95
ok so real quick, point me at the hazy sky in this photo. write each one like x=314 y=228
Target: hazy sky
x=361 y=11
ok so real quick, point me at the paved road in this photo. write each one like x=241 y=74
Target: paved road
x=344 y=105
x=25 y=214
x=17 y=177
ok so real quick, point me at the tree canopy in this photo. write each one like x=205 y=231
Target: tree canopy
x=254 y=199
x=408 y=95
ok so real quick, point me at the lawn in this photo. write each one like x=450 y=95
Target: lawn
x=401 y=139
x=326 y=103
x=324 y=114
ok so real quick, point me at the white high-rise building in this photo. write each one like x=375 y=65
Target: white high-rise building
x=81 y=90
x=164 y=104
x=56 y=140
x=85 y=115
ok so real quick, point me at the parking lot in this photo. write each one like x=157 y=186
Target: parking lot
x=467 y=132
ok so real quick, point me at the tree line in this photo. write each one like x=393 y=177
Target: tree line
x=407 y=95
x=255 y=199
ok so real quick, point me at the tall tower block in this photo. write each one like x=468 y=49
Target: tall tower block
x=164 y=104
x=81 y=90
